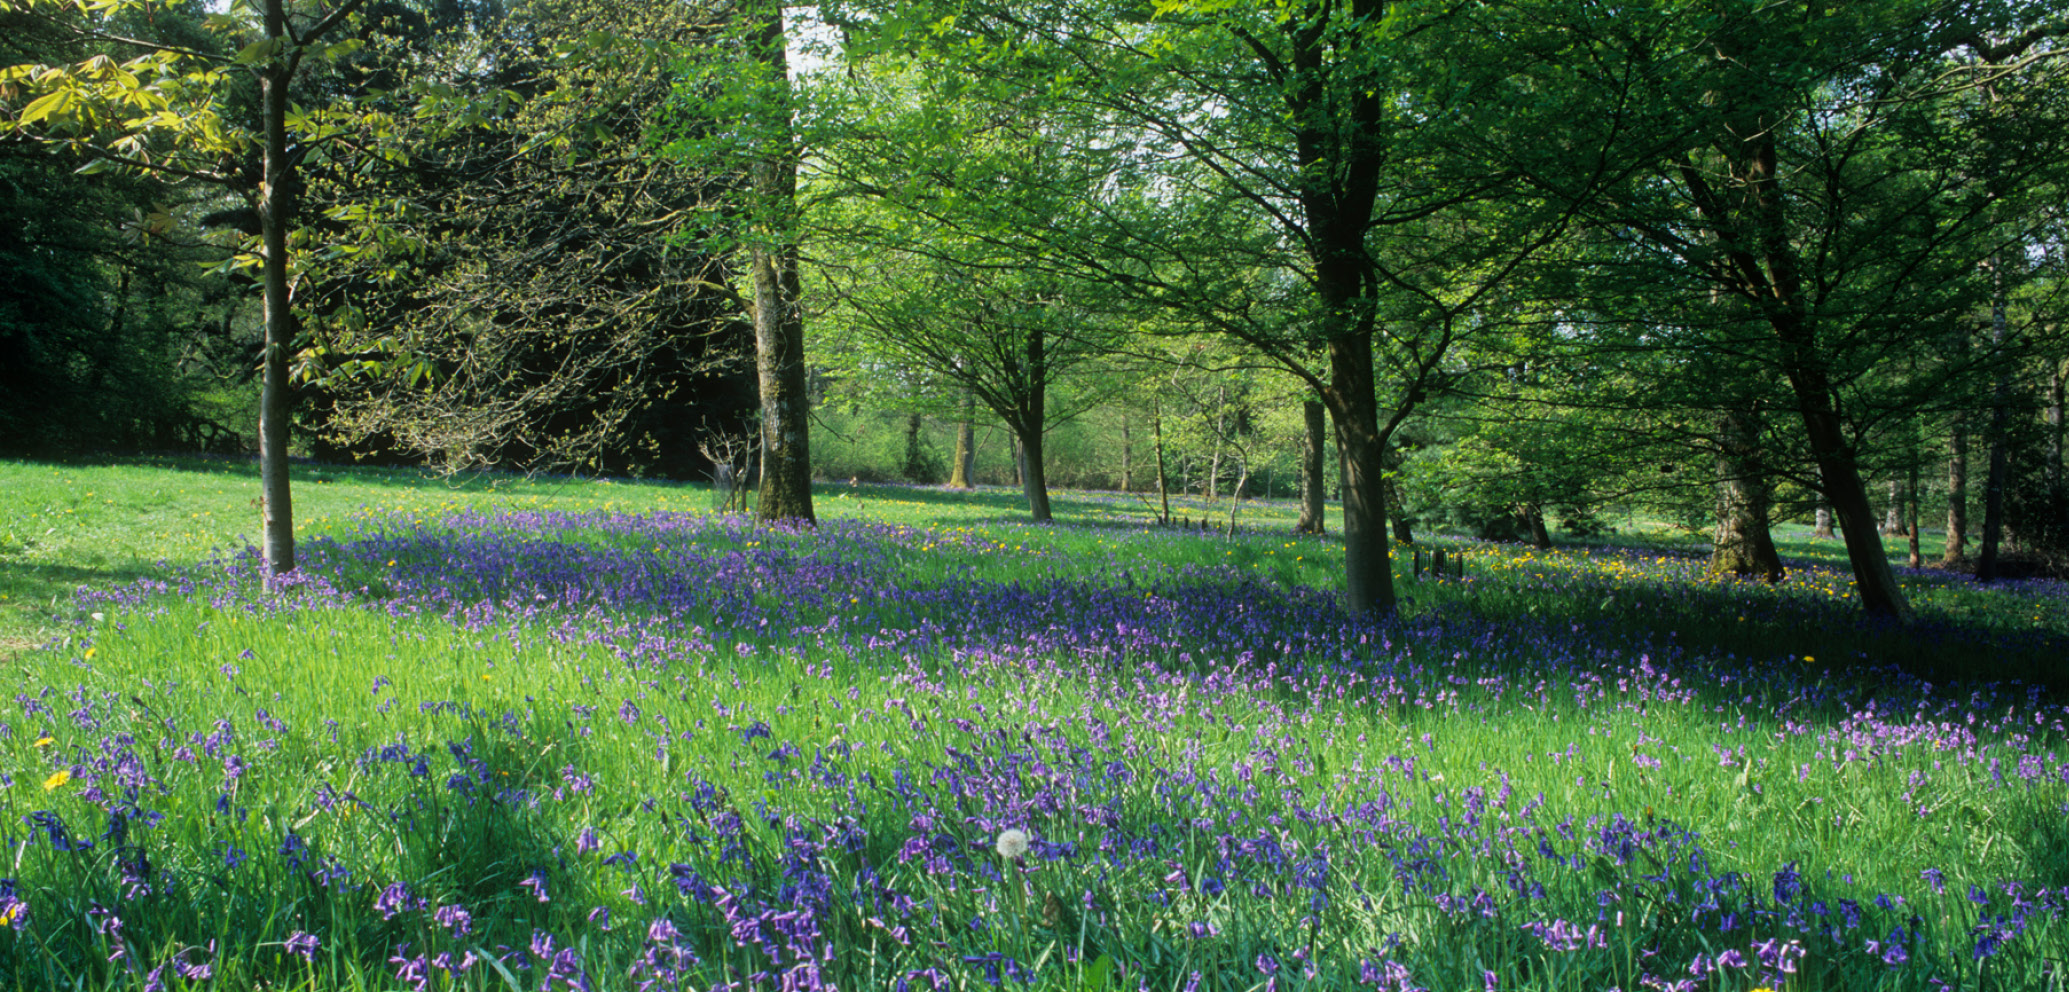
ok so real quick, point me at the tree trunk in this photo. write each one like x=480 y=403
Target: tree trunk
x=1759 y=254
x=1957 y=492
x=1313 y=508
x=962 y=473
x=1127 y=457
x=1235 y=499
x=2000 y=428
x=1893 y=519
x=1361 y=460
x=915 y=463
x=1534 y=515
x=1822 y=520
x=1034 y=479
x=1220 y=442
x=779 y=327
x=1397 y=518
x=1839 y=468
x=1917 y=559
x=1029 y=423
x=1403 y=532
x=1163 y=478
x=1744 y=542
x=275 y=209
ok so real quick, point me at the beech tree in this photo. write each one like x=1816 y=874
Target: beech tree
x=973 y=326
x=1798 y=160
x=1273 y=174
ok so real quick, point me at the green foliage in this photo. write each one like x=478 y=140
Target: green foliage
x=538 y=289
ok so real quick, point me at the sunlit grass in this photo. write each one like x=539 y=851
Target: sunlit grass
x=638 y=744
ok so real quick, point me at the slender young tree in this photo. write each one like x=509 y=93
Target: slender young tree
x=778 y=312
x=160 y=111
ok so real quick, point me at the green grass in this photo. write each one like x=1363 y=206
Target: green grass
x=1546 y=699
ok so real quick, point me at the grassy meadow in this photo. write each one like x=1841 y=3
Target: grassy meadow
x=531 y=734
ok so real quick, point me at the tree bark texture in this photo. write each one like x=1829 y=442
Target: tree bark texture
x=1743 y=544
x=1361 y=458
x=2000 y=429
x=275 y=209
x=1534 y=515
x=779 y=327
x=1313 y=507
x=1034 y=481
x=1338 y=145
x=779 y=347
x=1029 y=420
x=962 y=474
x=1957 y=493
x=1839 y=468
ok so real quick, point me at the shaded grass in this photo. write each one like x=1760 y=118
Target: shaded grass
x=1606 y=705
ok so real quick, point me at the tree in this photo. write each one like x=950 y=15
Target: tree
x=160 y=112
x=1794 y=158
x=950 y=315
x=1274 y=174
x=539 y=290
x=779 y=327
x=109 y=327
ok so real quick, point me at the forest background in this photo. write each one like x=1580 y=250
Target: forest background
x=1500 y=268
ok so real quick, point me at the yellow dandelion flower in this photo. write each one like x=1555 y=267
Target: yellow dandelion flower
x=45 y=741
x=60 y=777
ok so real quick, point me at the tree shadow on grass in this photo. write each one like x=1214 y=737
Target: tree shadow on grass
x=229 y=885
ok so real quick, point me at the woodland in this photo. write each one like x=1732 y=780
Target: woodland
x=1073 y=495
x=1506 y=267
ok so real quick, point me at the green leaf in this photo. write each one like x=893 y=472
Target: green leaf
x=51 y=105
x=95 y=167
x=259 y=51
x=1099 y=975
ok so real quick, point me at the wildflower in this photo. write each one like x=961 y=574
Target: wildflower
x=1012 y=844
x=60 y=777
x=455 y=918
x=45 y=741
